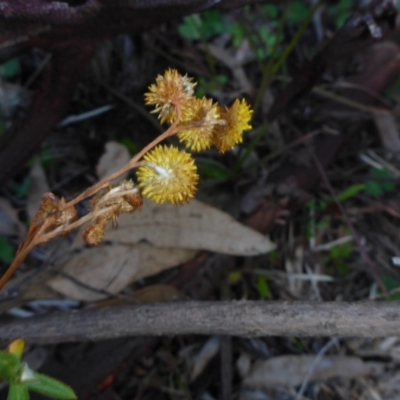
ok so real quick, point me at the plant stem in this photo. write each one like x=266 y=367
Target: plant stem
x=132 y=163
x=26 y=247
x=35 y=238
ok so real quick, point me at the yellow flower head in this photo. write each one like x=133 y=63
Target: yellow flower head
x=170 y=175
x=203 y=115
x=237 y=119
x=17 y=347
x=169 y=90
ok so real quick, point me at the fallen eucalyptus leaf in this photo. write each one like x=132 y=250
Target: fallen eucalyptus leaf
x=194 y=225
x=99 y=271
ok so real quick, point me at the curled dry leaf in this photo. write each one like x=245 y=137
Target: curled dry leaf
x=99 y=271
x=268 y=374
x=194 y=226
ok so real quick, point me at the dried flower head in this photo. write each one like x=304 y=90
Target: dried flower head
x=169 y=90
x=93 y=234
x=169 y=175
x=124 y=197
x=51 y=210
x=107 y=205
x=202 y=115
x=237 y=119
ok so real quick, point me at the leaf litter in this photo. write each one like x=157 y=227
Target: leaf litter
x=127 y=262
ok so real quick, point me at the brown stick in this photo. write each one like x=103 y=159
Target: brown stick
x=242 y=318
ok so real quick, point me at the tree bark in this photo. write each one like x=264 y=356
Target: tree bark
x=237 y=318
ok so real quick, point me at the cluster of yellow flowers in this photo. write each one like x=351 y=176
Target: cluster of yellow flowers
x=167 y=174
x=170 y=175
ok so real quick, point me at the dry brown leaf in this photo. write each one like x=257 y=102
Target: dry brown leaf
x=194 y=226
x=37 y=188
x=102 y=270
x=235 y=62
x=292 y=370
x=10 y=225
x=115 y=156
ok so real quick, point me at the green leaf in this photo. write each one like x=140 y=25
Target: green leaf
x=381 y=183
x=386 y=176
x=211 y=169
x=341 y=11
x=273 y=256
x=17 y=391
x=213 y=24
x=234 y=277
x=238 y=33
x=208 y=86
x=2 y=124
x=390 y=284
x=270 y=11
x=297 y=12
x=6 y=250
x=130 y=145
x=50 y=387
x=373 y=189
x=190 y=27
x=263 y=288
x=341 y=252
x=21 y=189
x=10 y=68
x=10 y=367
x=350 y=192
x=392 y=91
x=46 y=156
x=343 y=269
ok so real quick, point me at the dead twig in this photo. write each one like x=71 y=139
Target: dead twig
x=242 y=318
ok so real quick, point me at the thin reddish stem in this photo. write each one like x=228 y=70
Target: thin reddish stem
x=172 y=130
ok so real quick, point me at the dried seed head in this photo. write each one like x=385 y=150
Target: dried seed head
x=67 y=216
x=169 y=90
x=51 y=209
x=107 y=205
x=93 y=234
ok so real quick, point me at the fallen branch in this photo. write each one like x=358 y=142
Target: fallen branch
x=242 y=318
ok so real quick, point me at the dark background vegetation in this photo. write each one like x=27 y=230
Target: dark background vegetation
x=335 y=220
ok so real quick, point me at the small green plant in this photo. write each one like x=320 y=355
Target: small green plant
x=210 y=85
x=204 y=26
x=340 y=11
x=21 y=379
x=10 y=68
x=297 y=12
x=6 y=250
x=263 y=287
x=339 y=256
x=392 y=285
x=382 y=183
